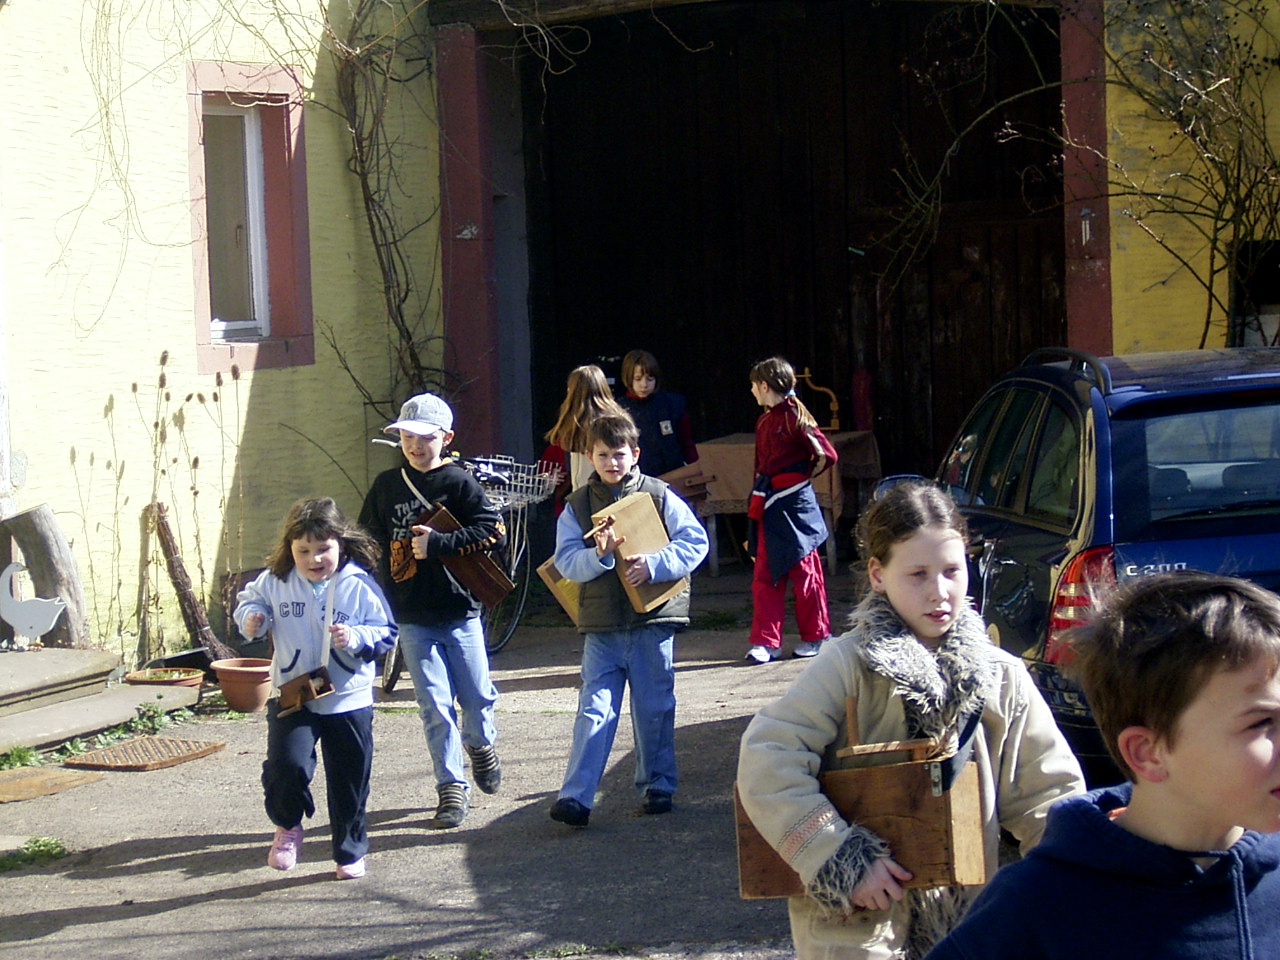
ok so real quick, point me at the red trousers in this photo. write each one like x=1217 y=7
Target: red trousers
x=769 y=599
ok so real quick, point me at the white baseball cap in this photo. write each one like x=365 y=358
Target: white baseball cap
x=424 y=415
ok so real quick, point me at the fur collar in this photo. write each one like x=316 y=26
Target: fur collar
x=937 y=686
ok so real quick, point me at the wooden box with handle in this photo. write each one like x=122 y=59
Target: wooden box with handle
x=935 y=833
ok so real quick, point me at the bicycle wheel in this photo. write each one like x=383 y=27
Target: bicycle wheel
x=392 y=667
x=501 y=622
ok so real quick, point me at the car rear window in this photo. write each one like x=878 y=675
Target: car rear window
x=1190 y=466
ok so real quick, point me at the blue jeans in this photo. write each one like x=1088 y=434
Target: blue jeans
x=610 y=661
x=448 y=662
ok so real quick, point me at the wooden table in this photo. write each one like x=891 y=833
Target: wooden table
x=731 y=460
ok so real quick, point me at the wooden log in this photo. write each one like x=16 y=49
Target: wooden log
x=53 y=571
x=193 y=614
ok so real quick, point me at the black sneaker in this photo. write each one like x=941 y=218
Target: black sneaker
x=486 y=768
x=453 y=806
x=655 y=801
x=570 y=811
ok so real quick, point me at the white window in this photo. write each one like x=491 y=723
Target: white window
x=239 y=304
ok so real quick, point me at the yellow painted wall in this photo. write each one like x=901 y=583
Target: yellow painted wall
x=1157 y=302
x=97 y=285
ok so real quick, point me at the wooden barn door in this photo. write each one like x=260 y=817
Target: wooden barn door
x=709 y=183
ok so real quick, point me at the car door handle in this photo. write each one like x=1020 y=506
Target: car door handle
x=988 y=559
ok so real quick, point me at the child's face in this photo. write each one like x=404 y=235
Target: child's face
x=765 y=395
x=316 y=560
x=925 y=578
x=425 y=453
x=643 y=383
x=613 y=463
x=1223 y=769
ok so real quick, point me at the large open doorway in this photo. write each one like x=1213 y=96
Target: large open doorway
x=708 y=181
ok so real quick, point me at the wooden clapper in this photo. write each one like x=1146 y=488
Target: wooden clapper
x=477 y=571
x=637 y=519
x=934 y=833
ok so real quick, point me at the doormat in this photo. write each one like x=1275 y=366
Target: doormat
x=24 y=783
x=144 y=753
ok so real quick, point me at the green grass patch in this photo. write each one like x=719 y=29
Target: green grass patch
x=574 y=950
x=36 y=852
x=17 y=757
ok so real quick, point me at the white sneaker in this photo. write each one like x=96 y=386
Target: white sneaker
x=351 y=871
x=759 y=653
x=807 y=648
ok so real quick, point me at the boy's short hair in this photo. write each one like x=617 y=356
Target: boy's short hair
x=613 y=431
x=1159 y=638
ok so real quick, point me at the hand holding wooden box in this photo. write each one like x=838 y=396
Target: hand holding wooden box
x=637 y=520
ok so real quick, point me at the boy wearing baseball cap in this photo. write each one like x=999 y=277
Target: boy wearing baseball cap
x=440 y=630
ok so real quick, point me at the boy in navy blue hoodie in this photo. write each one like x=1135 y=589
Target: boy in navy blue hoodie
x=1182 y=672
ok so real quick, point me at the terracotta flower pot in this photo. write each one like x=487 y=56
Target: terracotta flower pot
x=245 y=682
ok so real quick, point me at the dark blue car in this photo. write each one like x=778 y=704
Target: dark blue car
x=1076 y=471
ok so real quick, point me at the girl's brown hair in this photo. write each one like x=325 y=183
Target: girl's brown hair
x=780 y=377
x=903 y=510
x=320 y=518
x=588 y=396
x=641 y=361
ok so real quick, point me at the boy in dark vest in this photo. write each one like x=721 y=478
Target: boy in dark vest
x=621 y=646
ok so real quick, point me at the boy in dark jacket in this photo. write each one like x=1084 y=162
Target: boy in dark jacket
x=440 y=629
x=1181 y=671
x=620 y=646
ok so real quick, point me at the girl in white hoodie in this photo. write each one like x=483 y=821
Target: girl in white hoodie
x=328 y=619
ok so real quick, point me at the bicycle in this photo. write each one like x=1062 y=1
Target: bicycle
x=512 y=487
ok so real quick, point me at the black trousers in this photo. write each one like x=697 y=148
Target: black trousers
x=346 y=742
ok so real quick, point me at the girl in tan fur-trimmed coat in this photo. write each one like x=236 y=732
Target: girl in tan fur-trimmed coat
x=918 y=663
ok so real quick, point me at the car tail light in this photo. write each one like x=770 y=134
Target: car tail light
x=1088 y=577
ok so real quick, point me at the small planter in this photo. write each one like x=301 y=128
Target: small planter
x=167 y=676
x=245 y=682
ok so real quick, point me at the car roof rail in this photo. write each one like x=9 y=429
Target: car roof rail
x=1080 y=360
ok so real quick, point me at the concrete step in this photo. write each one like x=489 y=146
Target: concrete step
x=32 y=679
x=48 y=726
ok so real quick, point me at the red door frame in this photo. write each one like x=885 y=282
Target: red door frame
x=466 y=237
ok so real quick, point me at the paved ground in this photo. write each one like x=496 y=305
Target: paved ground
x=170 y=863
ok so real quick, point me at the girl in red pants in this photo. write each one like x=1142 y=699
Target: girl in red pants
x=784 y=521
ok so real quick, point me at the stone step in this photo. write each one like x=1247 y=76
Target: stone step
x=51 y=725
x=33 y=679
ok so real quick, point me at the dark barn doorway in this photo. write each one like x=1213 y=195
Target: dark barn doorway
x=709 y=181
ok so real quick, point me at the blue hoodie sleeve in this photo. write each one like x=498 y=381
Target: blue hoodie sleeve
x=576 y=558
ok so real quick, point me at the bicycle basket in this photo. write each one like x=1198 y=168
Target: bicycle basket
x=511 y=484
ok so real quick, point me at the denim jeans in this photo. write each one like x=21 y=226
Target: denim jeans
x=448 y=663
x=640 y=658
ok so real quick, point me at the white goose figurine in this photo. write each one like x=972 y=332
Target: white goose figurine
x=29 y=618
